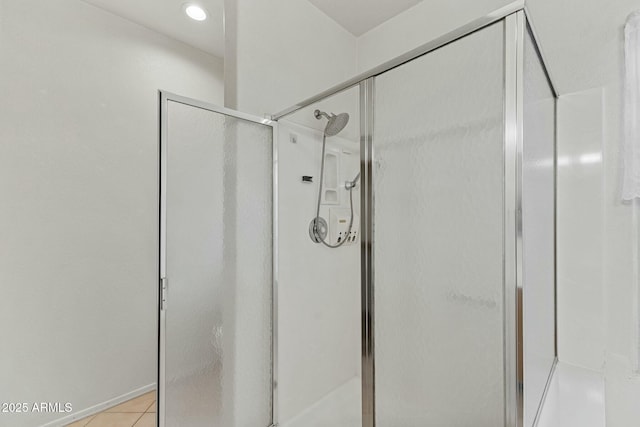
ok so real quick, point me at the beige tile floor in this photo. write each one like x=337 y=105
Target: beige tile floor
x=138 y=412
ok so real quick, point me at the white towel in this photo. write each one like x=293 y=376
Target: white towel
x=631 y=153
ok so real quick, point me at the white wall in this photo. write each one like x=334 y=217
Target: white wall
x=276 y=54
x=78 y=180
x=414 y=27
x=281 y=52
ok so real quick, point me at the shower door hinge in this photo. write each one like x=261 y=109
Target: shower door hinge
x=163 y=293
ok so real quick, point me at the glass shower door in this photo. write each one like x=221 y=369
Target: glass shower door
x=538 y=230
x=216 y=267
x=438 y=208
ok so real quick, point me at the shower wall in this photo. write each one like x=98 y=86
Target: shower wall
x=319 y=288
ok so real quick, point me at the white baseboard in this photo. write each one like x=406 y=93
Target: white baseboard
x=100 y=407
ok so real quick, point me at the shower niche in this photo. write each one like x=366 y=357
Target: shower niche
x=330 y=194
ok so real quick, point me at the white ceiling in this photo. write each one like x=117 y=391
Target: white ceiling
x=360 y=16
x=167 y=17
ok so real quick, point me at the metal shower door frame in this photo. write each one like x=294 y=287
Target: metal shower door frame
x=166 y=97
x=516 y=24
x=517 y=27
x=512 y=226
x=516 y=21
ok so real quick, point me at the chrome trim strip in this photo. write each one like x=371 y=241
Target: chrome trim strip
x=367 y=252
x=434 y=44
x=555 y=224
x=162 y=253
x=215 y=108
x=165 y=97
x=512 y=223
x=520 y=22
x=274 y=291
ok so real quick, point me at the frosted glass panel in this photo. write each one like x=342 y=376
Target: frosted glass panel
x=219 y=270
x=538 y=231
x=438 y=235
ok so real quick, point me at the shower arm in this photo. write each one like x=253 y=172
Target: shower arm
x=317 y=114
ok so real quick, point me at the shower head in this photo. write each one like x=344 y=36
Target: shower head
x=336 y=123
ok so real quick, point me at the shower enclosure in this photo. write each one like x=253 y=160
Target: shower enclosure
x=438 y=311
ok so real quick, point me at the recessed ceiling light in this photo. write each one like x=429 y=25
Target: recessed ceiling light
x=195 y=12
